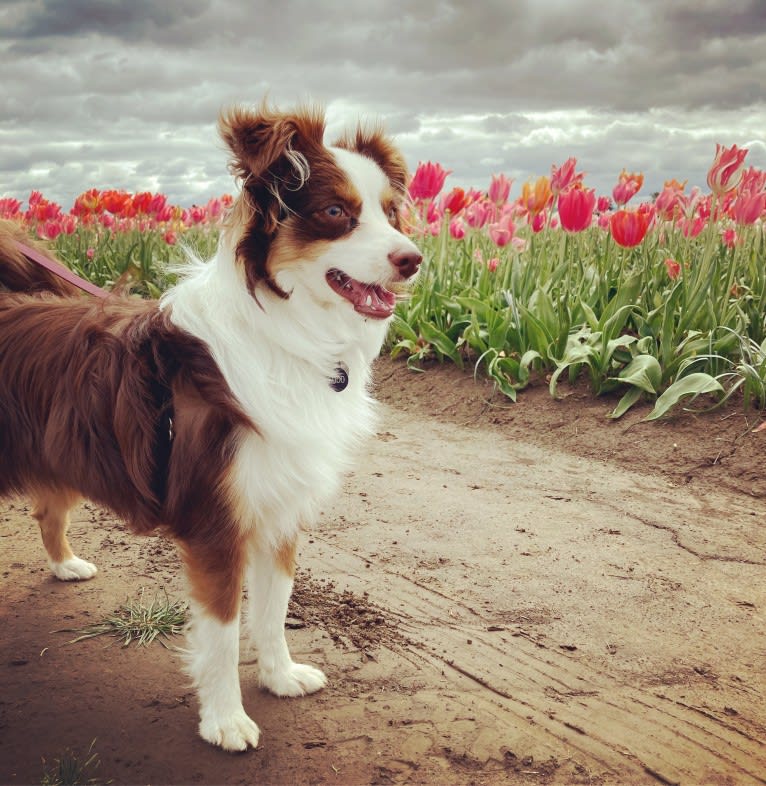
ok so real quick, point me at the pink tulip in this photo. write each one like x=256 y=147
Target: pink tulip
x=673 y=268
x=730 y=237
x=603 y=204
x=457 y=229
x=669 y=202
x=501 y=231
x=691 y=227
x=565 y=177
x=478 y=214
x=428 y=181
x=748 y=207
x=538 y=222
x=492 y=264
x=727 y=170
x=10 y=208
x=576 y=208
x=628 y=185
x=499 y=189
x=90 y=253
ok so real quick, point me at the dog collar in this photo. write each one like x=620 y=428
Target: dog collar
x=339 y=379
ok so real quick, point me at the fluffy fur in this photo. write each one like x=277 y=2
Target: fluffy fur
x=209 y=414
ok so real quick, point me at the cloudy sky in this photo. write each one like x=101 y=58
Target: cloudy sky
x=126 y=94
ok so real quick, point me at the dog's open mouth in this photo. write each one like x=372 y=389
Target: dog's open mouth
x=371 y=300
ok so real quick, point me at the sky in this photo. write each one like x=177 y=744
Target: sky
x=126 y=94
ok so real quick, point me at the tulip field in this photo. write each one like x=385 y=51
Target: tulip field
x=663 y=299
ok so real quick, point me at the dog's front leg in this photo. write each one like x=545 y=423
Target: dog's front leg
x=215 y=575
x=270 y=575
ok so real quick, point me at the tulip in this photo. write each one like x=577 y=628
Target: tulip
x=691 y=227
x=492 y=264
x=603 y=204
x=10 y=208
x=534 y=199
x=629 y=227
x=673 y=268
x=538 y=222
x=727 y=170
x=576 y=208
x=454 y=202
x=628 y=185
x=499 y=189
x=478 y=214
x=457 y=229
x=730 y=237
x=565 y=177
x=501 y=231
x=427 y=181
x=748 y=207
x=669 y=201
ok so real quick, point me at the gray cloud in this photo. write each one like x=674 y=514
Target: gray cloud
x=113 y=94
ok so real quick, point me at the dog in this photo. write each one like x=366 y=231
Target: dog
x=224 y=413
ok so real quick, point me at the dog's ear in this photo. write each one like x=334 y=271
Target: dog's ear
x=271 y=154
x=373 y=143
x=267 y=144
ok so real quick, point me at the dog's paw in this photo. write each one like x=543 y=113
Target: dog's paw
x=235 y=732
x=296 y=680
x=74 y=569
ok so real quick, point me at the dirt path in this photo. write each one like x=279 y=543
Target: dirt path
x=501 y=595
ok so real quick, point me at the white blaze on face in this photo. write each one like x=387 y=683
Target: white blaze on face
x=365 y=253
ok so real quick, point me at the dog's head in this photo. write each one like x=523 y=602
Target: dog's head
x=325 y=220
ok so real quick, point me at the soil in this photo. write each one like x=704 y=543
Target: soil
x=503 y=593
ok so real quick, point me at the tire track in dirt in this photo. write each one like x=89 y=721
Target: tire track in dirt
x=642 y=654
x=612 y=728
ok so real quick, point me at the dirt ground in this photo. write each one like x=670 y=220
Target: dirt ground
x=518 y=594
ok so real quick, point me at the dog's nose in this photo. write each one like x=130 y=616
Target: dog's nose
x=406 y=262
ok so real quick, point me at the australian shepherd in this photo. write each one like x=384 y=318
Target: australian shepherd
x=225 y=413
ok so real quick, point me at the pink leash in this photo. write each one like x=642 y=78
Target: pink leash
x=59 y=270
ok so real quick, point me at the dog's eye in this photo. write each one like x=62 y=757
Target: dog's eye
x=393 y=215
x=334 y=211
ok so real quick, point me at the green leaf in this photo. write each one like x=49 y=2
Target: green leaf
x=626 y=402
x=692 y=385
x=443 y=344
x=643 y=372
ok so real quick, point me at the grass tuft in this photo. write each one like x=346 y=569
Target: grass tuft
x=72 y=769
x=136 y=621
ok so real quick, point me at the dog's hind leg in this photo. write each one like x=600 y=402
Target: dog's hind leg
x=51 y=509
x=214 y=571
x=269 y=585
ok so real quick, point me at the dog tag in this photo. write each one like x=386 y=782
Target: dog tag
x=339 y=380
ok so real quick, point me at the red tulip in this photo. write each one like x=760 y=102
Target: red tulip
x=629 y=227
x=576 y=208
x=454 y=202
x=427 y=181
x=727 y=170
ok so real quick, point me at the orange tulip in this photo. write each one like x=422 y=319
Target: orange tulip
x=536 y=198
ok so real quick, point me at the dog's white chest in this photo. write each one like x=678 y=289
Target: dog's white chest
x=286 y=470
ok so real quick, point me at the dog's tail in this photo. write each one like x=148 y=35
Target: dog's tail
x=19 y=274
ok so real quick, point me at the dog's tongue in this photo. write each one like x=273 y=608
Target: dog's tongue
x=371 y=300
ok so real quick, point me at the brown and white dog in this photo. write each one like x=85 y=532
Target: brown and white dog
x=224 y=413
